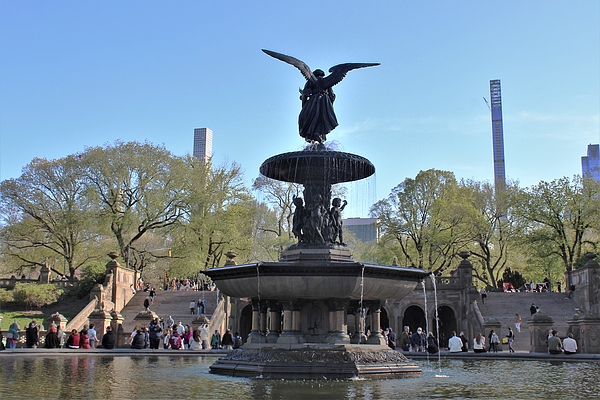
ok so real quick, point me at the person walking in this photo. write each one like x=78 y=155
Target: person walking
x=483 y=295
x=518 y=322
x=511 y=336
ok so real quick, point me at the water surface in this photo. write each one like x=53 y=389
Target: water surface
x=180 y=377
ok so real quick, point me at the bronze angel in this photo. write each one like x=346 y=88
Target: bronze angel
x=317 y=117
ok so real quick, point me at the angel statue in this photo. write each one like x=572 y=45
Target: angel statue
x=317 y=117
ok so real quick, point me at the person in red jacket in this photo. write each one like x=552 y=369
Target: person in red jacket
x=84 y=340
x=73 y=340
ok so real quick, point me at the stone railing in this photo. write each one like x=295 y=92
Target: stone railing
x=477 y=319
x=82 y=318
x=447 y=281
x=9 y=283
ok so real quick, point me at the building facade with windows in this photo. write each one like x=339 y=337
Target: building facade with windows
x=590 y=164
x=203 y=143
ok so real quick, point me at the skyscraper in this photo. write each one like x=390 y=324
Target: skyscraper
x=203 y=143
x=497 y=133
x=590 y=164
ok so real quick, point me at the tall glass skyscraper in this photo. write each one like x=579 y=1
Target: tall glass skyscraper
x=203 y=143
x=590 y=164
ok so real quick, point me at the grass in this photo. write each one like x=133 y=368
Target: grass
x=22 y=317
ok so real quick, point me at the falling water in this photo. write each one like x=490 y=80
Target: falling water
x=437 y=327
x=426 y=314
x=258 y=295
x=362 y=309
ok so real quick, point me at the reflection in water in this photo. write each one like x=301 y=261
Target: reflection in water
x=175 y=377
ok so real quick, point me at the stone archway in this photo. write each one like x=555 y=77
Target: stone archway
x=246 y=322
x=447 y=321
x=414 y=317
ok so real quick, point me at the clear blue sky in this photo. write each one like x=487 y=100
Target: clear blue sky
x=80 y=73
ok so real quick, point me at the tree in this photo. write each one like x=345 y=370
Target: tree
x=280 y=195
x=138 y=187
x=218 y=218
x=492 y=228
x=420 y=216
x=562 y=215
x=47 y=214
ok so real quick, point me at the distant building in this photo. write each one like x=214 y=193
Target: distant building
x=497 y=133
x=590 y=164
x=203 y=143
x=365 y=229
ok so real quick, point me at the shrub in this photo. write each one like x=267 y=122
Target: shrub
x=33 y=295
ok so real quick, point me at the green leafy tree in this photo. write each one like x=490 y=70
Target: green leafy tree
x=492 y=227
x=91 y=274
x=218 y=218
x=138 y=187
x=47 y=214
x=421 y=217
x=562 y=215
x=35 y=296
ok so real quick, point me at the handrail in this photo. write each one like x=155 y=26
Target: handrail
x=478 y=321
x=81 y=319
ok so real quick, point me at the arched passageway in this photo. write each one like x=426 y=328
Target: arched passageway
x=414 y=317
x=246 y=322
x=447 y=324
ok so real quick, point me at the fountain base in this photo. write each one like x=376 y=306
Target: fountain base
x=315 y=361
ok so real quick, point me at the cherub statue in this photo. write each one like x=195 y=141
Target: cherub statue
x=317 y=117
x=336 y=218
x=299 y=219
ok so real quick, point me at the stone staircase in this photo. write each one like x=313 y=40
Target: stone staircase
x=173 y=303
x=504 y=305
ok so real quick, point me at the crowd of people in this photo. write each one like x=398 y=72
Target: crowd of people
x=176 y=336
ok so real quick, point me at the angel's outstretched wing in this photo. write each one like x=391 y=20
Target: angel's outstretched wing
x=338 y=72
x=304 y=69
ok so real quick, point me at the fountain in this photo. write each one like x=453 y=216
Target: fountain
x=315 y=284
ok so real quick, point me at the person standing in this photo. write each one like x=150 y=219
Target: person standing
x=455 y=343
x=392 y=339
x=518 y=322
x=146 y=304
x=493 y=342
x=511 y=336
x=32 y=335
x=93 y=336
x=215 y=341
x=227 y=341
x=193 y=307
x=155 y=331
x=404 y=340
x=204 y=336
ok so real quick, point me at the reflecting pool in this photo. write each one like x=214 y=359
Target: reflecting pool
x=178 y=377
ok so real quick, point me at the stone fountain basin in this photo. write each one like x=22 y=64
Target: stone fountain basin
x=316 y=280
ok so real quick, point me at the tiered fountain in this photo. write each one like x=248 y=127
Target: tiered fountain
x=314 y=287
